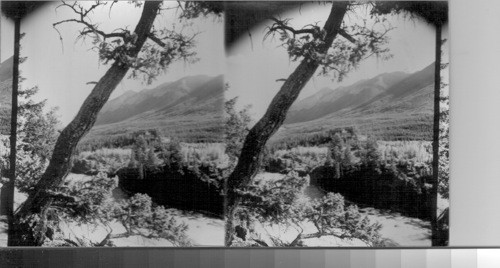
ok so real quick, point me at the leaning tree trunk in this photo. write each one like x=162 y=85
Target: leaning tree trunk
x=435 y=144
x=31 y=219
x=7 y=201
x=248 y=163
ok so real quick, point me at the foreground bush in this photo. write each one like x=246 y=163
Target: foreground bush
x=107 y=160
x=90 y=203
x=283 y=202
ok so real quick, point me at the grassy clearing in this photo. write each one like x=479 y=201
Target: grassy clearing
x=192 y=129
x=390 y=127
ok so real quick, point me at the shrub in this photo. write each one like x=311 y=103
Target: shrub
x=207 y=153
x=282 y=202
x=107 y=160
x=90 y=202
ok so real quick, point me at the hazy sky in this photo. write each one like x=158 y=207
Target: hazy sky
x=61 y=70
x=254 y=65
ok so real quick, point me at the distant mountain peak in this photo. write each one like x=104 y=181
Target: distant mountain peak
x=142 y=103
x=328 y=101
x=6 y=69
x=5 y=94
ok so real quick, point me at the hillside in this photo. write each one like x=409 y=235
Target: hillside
x=189 y=109
x=391 y=106
x=328 y=101
x=5 y=95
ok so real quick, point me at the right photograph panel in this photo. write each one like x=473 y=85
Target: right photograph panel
x=337 y=124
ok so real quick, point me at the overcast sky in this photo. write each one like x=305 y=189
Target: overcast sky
x=254 y=65
x=61 y=70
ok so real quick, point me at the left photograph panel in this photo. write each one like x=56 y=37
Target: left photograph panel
x=112 y=124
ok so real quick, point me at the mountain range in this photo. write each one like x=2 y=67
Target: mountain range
x=190 y=109
x=390 y=106
x=393 y=106
x=5 y=95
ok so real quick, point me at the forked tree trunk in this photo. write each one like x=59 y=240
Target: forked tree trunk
x=256 y=139
x=436 y=233
x=30 y=231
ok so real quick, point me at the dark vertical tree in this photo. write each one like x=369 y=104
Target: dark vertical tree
x=314 y=46
x=15 y=11
x=436 y=233
x=10 y=185
x=434 y=13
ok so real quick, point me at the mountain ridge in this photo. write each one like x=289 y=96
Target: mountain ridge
x=5 y=95
x=325 y=102
x=400 y=110
x=190 y=109
x=133 y=103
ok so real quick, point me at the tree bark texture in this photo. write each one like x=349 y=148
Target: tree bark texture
x=249 y=160
x=60 y=163
x=435 y=141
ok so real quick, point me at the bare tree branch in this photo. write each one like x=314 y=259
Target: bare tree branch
x=90 y=29
x=344 y=34
x=282 y=25
x=82 y=16
x=157 y=40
